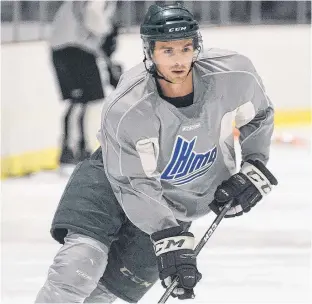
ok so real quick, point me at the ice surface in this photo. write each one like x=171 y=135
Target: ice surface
x=262 y=257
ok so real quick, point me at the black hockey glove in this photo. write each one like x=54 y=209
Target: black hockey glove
x=175 y=257
x=245 y=189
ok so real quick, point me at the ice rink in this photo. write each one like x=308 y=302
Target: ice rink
x=262 y=257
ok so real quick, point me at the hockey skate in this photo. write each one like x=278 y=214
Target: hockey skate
x=82 y=151
x=67 y=161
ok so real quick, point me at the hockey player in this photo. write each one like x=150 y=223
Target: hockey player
x=82 y=31
x=166 y=158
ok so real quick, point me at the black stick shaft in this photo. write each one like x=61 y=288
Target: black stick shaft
x=197 y=249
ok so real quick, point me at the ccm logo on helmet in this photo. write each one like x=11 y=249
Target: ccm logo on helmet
x=177 y=29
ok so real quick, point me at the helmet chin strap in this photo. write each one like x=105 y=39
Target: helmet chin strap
x=153 y=71
x=162 y=77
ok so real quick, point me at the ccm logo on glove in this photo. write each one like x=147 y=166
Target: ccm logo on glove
x=176 y=258
x=258 y=180
x=173 y=243
x=245 y=189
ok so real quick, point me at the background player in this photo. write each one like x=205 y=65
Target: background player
x=82 y=31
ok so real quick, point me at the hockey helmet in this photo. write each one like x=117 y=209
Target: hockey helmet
x=171 y=22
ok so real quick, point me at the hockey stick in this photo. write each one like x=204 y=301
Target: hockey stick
x=198 y=248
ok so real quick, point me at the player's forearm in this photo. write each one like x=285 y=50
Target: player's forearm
x=255 y=137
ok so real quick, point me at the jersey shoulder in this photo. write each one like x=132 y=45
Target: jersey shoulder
x=132 y=76
x=127 y=99
x=222 y=60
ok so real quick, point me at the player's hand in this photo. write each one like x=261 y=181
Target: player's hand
x=245 y=188
x=175 y=257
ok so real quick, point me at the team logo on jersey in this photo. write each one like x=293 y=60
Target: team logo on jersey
x=185 y=164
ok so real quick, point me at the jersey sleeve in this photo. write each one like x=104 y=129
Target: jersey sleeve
x=255 y=121
x=97 y=17
x=130 y=152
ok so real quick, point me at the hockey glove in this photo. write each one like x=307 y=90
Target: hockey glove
x=115 y=72
x=175 y=257
x=245 y=189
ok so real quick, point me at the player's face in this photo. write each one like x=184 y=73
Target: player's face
x=173 y=59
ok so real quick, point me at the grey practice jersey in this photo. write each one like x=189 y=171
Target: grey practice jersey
x=164 y=163
x=83 y=24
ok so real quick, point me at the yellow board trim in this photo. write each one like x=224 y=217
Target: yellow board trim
x=30 y=162
x=47 y=159
x=292 y=117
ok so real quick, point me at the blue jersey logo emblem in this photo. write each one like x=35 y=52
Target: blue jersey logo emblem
x=185 y=164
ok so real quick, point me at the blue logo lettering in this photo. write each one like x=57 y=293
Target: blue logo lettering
x=185 y=164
